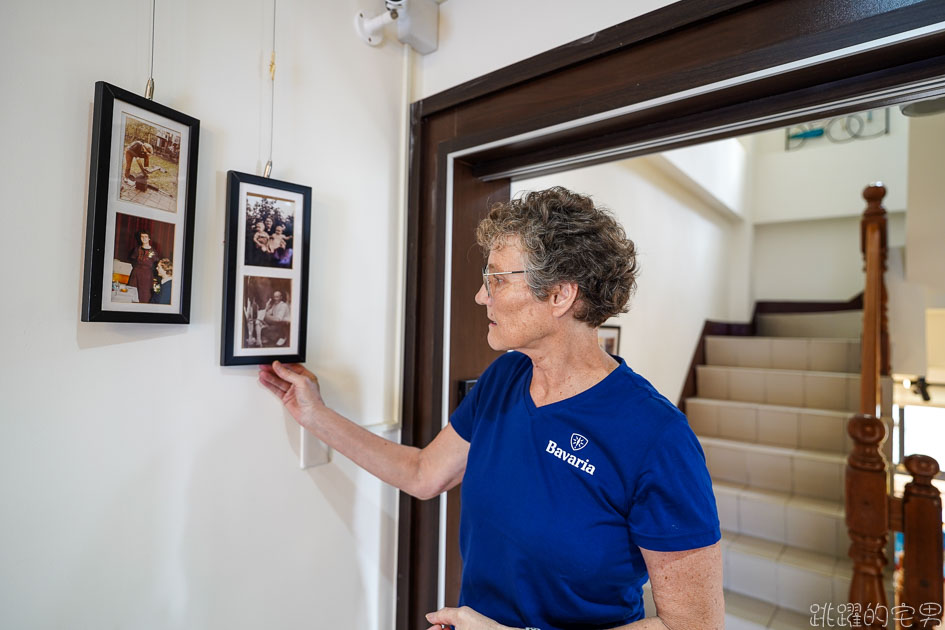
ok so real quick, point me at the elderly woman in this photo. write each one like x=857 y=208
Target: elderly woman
x=580 y=480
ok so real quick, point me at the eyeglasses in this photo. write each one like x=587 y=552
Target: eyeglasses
x=487 y=278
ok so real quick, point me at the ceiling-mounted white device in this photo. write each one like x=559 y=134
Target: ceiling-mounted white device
x=417 y=23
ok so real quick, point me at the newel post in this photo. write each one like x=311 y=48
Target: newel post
x=875 y=213
x=922 y=542
x=867 y=516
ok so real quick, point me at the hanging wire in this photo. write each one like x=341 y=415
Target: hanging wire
x=149 y=88
x=272 y=91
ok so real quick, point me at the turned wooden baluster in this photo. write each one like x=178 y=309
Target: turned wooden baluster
x=867 y=515
x=922 y=542
x=875 y=214
x=867 y=506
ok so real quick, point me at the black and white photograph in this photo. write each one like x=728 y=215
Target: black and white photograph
x=267 y=312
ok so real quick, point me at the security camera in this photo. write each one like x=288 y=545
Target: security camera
x=417 y=24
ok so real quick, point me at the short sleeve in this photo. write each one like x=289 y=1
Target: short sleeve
x=673 y=505
x=463 y=417
x=505 y=367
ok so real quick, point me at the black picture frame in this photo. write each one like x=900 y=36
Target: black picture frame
x=258 y=325
x=133 y=136
x=609 y=339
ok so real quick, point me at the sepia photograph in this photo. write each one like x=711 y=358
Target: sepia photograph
x=149 y=163
x=269 y=224
x=267 y=312
x=142 y=269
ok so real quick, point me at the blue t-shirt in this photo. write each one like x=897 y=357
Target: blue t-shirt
x=557 y=500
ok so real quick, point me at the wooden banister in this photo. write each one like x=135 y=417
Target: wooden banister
x=867 y=503
x=922 y=542
x=870 y=509
x=867 y=516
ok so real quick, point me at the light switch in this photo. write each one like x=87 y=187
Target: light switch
x=313 y=452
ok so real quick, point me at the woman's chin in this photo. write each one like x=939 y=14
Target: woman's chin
x=493 y=341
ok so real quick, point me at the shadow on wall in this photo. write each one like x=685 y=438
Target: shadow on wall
x=263 y=537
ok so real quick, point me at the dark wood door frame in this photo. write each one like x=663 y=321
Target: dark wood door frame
x=520 y=119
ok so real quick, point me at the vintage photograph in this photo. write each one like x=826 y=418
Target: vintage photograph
x=143 y=268
x=139 y=237
x=266 y=259
x=269 y=227
x=149 y=162
x=267 y=312
x=609 y=339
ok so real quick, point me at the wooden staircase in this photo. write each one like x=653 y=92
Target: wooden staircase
x=771 y=415
x=789 y=420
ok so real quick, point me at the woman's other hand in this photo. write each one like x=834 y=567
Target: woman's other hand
x=464 y=618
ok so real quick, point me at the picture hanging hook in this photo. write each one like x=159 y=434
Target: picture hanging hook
x=149 y=88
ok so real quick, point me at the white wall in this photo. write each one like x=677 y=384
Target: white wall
x=684 y=253
x=824 y=179
x=143 y=485
x=814 y=260
x=715 y=171
x=479 y=36
x=925 y=256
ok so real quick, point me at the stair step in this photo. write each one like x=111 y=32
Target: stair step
x=784 y=576
x=800 y=472
x=774 y=425
x=810 y=524
x=816 y=354
x=837 y=324
x=794 y=388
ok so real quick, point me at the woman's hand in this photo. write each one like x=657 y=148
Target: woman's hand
x=464 y=618
x=296 y=387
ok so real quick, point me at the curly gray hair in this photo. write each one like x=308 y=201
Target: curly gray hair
x=566 y=238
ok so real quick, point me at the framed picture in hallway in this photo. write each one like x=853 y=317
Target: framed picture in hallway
x=139 y=237
x=609 y=339
x=265 y=277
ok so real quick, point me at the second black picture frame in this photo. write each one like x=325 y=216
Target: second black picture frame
x=265 y=276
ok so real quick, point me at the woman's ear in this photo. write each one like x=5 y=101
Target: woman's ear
x=562 y=298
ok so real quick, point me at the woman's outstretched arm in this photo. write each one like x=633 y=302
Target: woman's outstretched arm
x=423 y=473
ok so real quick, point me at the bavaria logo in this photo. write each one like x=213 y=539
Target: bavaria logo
x=584 y=465
x=578 y=441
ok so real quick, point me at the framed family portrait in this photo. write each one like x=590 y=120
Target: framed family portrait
x=265 y=280
x=609 y=339
x=140 y=225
